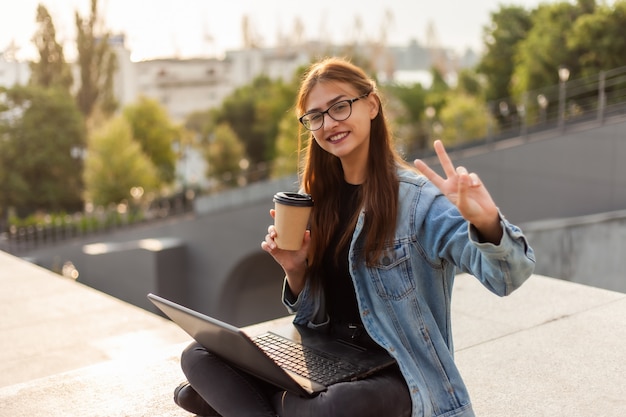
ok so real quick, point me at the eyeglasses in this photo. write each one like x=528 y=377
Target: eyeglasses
x=339 y=111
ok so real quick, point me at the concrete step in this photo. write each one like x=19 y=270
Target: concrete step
x=69 y=350
x=552 y=348
x=134 y=386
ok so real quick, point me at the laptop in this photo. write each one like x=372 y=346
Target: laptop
x=297 y=359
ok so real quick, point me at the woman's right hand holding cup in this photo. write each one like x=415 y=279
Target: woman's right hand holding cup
x=293 y=262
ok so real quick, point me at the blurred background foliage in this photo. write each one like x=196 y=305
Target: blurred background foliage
x=62 y=151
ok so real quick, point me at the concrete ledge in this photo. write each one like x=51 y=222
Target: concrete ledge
x=552 y=348
x=69 y=350
x=51 y=324
x=133 y=386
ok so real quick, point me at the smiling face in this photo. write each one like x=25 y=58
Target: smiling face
x=348 y=139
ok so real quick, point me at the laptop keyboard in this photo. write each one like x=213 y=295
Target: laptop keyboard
x=304 y=361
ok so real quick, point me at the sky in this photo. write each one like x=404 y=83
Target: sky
x=195 y=28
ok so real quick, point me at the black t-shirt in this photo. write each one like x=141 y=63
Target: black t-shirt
x=339 y=290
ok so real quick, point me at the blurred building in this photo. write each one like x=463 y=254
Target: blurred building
x=12 y=71
x=184 y=86
x=125 y=81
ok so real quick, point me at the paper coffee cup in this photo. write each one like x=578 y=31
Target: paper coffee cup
x=291 y=219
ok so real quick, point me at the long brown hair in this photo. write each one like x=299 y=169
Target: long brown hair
x=322 y=172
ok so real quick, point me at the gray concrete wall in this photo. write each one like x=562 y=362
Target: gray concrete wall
x=224 y=272
x=587 y=250
x=131 y=269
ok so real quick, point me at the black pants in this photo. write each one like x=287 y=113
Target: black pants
x=234 y=393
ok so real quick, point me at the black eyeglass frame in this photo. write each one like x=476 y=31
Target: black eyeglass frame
x=322 y=113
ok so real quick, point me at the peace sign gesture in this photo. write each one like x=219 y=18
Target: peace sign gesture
x=467 y=193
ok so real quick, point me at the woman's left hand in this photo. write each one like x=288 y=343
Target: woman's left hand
x=467 y=192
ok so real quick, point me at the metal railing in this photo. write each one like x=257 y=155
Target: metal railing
x=592 y=98
x=552 y=109
x=20 y=239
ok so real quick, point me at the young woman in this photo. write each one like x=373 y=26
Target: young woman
x=384 y=245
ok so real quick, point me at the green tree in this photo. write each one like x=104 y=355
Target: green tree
x=599 y=37
x=286 y=160
x=202 y=123
x=51 y=69
x=438 y=91
x=41 y=140
x=509 y=26
x=156 y=134
x=408 y=120
x=472 y=83
x=115 y=164
x=540 y=55
x=464 y=118
x=587 y=6
x=97 y=62
x=224 y=155
x=254 y=113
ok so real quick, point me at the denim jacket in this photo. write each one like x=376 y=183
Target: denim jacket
x=404 y=300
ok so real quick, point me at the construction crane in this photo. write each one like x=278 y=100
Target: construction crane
x=438 y=59
x=250 y=38
x=381 y=59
